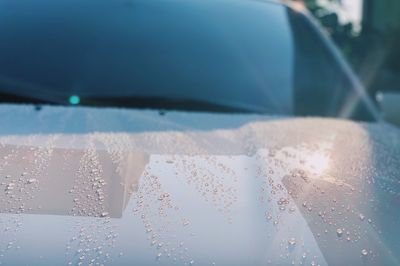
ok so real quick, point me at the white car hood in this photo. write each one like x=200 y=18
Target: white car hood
x=87 y=186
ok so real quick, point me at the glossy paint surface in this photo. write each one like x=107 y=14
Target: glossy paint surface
x=88 y=186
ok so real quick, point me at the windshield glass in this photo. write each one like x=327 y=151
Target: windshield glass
x=248 y=55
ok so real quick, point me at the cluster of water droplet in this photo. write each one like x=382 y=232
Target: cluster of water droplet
x=93 y=242
x=90 y=189
x=161 y=218
x=211 y=178
x=21 y=168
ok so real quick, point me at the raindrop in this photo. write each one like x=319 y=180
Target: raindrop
x=292 y=241
x=339 y=232
x=364 y=252
x=31 y=180
x=10 y=186
x=185 y=222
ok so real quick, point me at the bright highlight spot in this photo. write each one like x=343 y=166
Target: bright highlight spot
x=74 y=99
x=318 y=163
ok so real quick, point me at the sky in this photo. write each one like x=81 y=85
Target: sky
x=350 y=11
x=353 y=9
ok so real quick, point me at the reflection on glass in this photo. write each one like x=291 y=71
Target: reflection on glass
x=317 y=163
x=77 y=182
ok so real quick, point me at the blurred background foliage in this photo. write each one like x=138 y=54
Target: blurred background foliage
x=371 y=43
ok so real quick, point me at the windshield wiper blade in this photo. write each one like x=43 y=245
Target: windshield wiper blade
x=161 y=103
x=9 y=97
x=16 y=91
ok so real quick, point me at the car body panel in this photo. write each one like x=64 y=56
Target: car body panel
x=195 y=188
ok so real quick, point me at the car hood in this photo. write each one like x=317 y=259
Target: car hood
x=91 y=186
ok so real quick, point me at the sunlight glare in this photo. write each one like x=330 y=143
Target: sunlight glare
x=318 y=163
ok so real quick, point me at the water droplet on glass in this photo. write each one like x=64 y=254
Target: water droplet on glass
x=185 y=222
x=31 y=180
x=364 y=252
x=292 y=241
x=10 y=186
